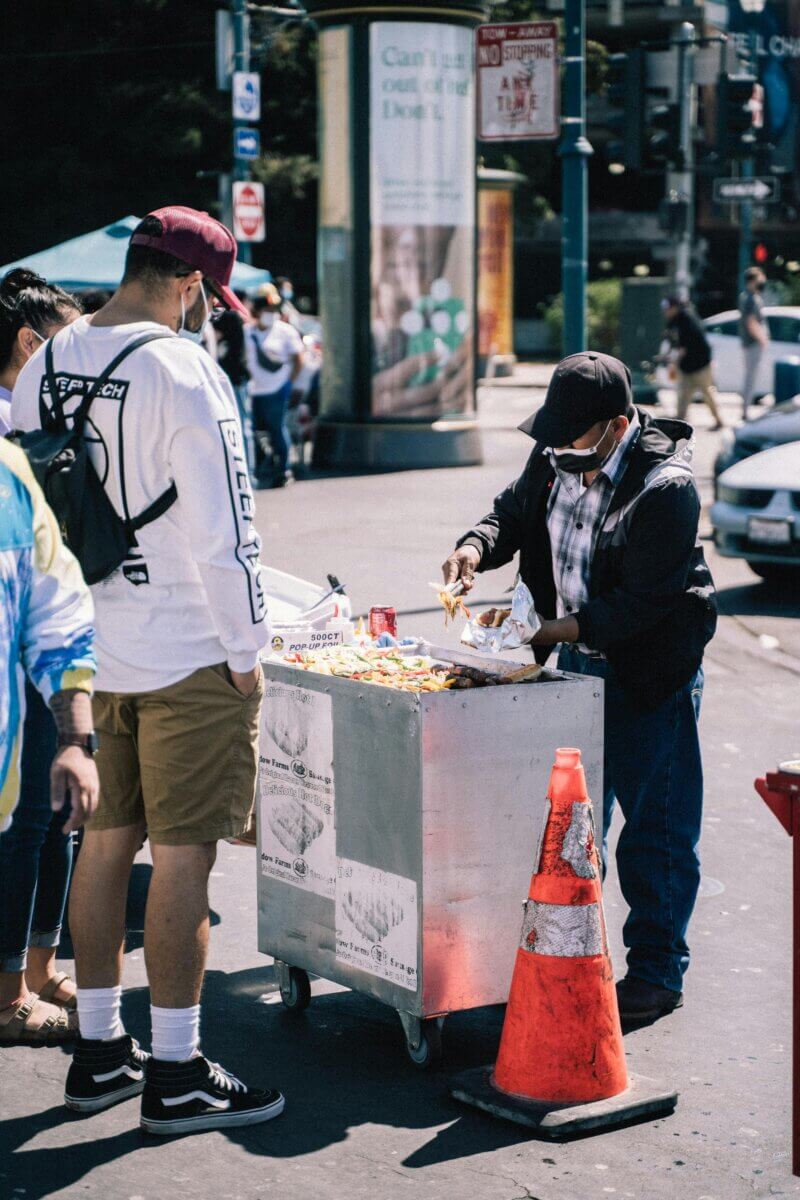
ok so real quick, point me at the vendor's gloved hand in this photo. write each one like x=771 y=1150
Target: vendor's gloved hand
x=462 y=564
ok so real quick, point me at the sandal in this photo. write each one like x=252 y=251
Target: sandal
x=48 y=992
x=36 y=1023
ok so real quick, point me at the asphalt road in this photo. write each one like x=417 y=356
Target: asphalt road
x=360 y=1121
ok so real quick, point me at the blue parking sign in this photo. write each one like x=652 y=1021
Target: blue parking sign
x=246 y=143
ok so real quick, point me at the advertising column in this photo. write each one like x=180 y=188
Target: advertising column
x=422 y=198
x=397 y=249
x=496 y=269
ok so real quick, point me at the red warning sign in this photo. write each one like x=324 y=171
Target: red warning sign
x=248 y=212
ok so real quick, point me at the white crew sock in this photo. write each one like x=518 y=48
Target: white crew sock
x=98 y=1013
x=176 y=1032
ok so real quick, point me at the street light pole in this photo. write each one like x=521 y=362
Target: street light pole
x=574 y=151
x=241 y=62
x=682 y=182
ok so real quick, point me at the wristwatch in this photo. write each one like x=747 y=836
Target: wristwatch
x=89 y=742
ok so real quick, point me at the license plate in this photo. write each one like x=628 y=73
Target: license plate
x=769 y=533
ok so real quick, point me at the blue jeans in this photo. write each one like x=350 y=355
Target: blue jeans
x=653 y=769
x=269 y=416
x=35 y=856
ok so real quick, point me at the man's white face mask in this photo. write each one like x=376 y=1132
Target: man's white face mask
x=194 y=335
x=267 y=319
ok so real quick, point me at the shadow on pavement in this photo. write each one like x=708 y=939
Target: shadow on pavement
x=36 y=1174
x=341 y=1064
x=760 y=600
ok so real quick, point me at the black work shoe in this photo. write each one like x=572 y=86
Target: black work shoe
x=181 y=1097
x=103 y=1073
x=642 y=1001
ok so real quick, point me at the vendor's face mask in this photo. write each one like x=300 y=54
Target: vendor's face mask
x=577 y=462
x=267 y=319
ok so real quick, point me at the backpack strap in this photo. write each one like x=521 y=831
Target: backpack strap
x=264 y=361
x=154 y=510
x=55 y=418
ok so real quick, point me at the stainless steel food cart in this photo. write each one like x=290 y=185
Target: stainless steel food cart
x=396 y=833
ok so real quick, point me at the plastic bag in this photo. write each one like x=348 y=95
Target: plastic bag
x=519 y=628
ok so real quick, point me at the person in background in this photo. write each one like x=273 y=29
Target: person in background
x=46 y=616
x=35 y=853
x=92 y=301
x=275 y=359
x=289 y=312
x=753 y=332
x=179 y=629
x=229 y=327
x=692 y=357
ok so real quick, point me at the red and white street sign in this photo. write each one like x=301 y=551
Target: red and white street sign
x=248 y=212
x=518 y=81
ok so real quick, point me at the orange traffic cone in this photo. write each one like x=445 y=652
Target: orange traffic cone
x=561 y=1064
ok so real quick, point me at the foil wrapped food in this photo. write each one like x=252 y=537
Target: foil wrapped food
x=517 y=629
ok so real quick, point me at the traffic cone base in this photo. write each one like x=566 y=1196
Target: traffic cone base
x=560 y=1067
x=641 y=1100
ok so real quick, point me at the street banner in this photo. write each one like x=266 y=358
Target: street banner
x=422 y=202
x=248 y=211
x=495 y=271
x=246 y=96
x=769 y=30
x=518 y=96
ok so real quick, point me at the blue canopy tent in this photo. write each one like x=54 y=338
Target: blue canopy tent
x=95 y=261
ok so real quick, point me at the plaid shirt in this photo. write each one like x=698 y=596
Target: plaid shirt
x=575 y=516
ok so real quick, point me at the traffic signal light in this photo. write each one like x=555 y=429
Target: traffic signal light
x=646 y=120
x=624 y=89
x=736 y=136
x=662 y=134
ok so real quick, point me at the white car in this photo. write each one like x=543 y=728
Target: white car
x=756 y=515
x=726 y=348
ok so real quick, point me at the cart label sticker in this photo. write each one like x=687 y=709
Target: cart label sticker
x=376 y=922
x=297 y=832
x=563 y=930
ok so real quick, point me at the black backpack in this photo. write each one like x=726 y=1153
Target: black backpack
x=98 y=537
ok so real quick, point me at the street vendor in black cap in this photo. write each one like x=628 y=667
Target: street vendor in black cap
x=605 y=520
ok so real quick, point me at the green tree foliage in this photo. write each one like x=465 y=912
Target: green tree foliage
x=604 y=308
x=111 y=108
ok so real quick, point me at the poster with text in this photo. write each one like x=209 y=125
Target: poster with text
x=376 y=922
x=296 y=789
x=422 y=203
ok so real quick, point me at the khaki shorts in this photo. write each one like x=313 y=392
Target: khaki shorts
x=183 y=759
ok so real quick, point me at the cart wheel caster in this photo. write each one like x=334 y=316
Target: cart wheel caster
x=427 y=1056
x=296 y=994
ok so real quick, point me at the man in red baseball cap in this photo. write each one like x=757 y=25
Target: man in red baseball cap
x=198 y=241
x=180 y=625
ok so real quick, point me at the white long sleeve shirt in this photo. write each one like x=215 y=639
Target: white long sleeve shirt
x=191 y=593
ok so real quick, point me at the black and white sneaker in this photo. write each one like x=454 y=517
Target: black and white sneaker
x=181 y=1097
x=104 y=1073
